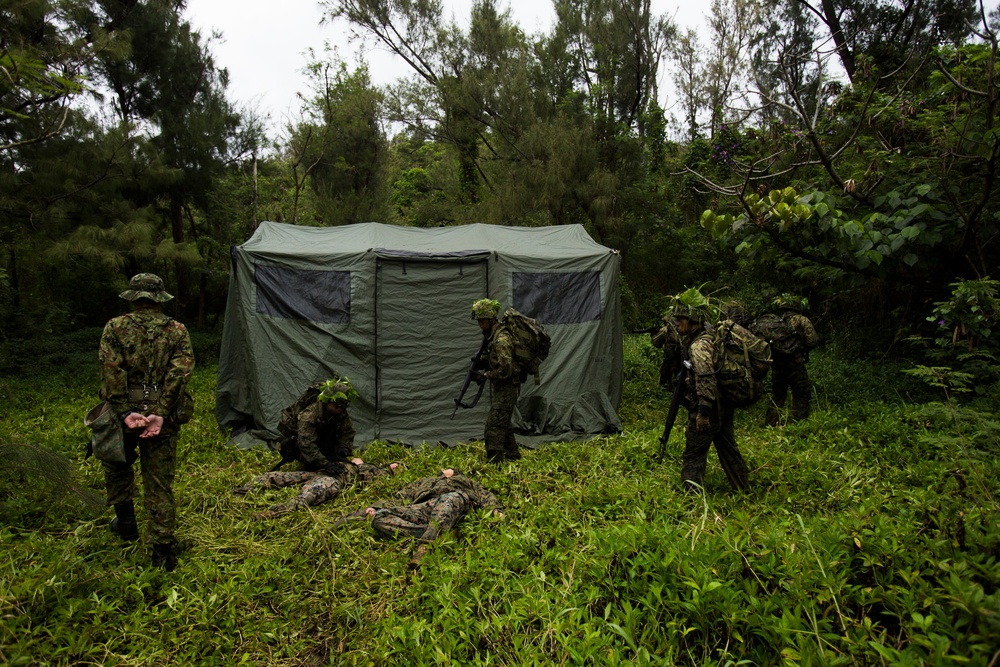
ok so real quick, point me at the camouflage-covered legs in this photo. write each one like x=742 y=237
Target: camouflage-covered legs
x=317 y=487
x=722 y=433
x=158 y=463
x=422 y=521
x=785 y=376
x=499 y=432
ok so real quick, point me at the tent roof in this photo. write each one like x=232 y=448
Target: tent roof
x=315 y=242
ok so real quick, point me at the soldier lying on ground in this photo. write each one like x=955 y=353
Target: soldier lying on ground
x=426 y=508
x=317 y=486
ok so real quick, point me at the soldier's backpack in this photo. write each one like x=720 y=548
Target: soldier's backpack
x=531 y=343
x=742 y=362
x=778 y=333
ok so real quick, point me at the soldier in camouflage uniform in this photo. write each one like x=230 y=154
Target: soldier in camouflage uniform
x=505 y=378
x=146 y=361
x=321 y=432
x=317 y=487
x=669 y=341
x=788 y=369
x=710 y=418
x=320 y=435
x=428 y=507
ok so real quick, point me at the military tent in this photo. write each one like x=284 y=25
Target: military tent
x=389 y=307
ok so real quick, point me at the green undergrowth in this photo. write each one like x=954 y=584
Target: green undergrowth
x=871 y=536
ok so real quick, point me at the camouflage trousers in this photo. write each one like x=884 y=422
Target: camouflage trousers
x=785 y=376
x=158 y=463
x=422 y=521
x=722 y=433
x=499 y=432
x=317 y=487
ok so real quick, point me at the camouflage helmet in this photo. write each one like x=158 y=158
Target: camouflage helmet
x=735 y=311
x=146 y=286
x=485 y=309
x=788 y=301
x=338 y=390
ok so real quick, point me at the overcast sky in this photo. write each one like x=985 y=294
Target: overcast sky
x=264 y=47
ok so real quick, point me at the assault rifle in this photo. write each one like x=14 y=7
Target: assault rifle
x=648 y=330
x=474 y=374
x=675 y=403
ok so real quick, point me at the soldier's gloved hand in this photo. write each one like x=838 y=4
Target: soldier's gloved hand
x=479 y=377
x=701 y=420
x=332 y=469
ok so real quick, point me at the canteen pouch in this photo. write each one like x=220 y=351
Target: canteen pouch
x=107 y=438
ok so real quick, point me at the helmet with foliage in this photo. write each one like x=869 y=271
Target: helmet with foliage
x=337 y=390
x=734 y=310
x=788 y=301
x=695 y=306
x=485 y=309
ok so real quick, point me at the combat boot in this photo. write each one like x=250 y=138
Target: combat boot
x=164 y=557
x=418 y=555
x=124 y=524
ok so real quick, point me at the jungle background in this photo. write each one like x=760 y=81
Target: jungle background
x=845 y=151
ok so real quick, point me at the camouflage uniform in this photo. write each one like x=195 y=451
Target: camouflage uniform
x=319 y=436
x=148 y=348
x=702 y=398
x=317 y=487
x=431 y=505
x=669 y=340
x=505 y=379
x=789 y=371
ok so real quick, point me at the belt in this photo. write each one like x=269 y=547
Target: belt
x=144 y=395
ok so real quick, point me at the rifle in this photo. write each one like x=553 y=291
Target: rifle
x=674 y=405
x=289 y=452
x=472 y=375
x=648 y=330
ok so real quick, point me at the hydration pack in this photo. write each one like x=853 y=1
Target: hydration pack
x=531 y=343
x=742 y=362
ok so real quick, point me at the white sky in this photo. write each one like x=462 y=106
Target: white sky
x=264 y=46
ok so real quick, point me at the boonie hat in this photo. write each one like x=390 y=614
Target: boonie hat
x=146 y=286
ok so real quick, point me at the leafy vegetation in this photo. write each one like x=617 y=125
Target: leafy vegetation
x=871 y=536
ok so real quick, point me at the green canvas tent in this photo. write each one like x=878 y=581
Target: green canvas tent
x=389 y=307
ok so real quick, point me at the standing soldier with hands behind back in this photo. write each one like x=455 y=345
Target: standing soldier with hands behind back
x=146 y=361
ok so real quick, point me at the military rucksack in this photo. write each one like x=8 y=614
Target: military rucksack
x=778 y=333
x=742 y=362
x=531 y=343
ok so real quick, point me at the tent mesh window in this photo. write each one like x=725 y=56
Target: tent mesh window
x=302 y=294
x=558 y=298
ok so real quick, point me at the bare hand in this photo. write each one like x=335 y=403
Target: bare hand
x=154 y=424
x=135 y=420
x=370 y=512
x=357 y=461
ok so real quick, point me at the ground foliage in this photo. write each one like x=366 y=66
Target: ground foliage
x=871 y=536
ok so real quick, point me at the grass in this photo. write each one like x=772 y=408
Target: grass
x=871 y=536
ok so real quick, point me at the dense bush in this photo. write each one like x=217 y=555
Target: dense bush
x=871 y=536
